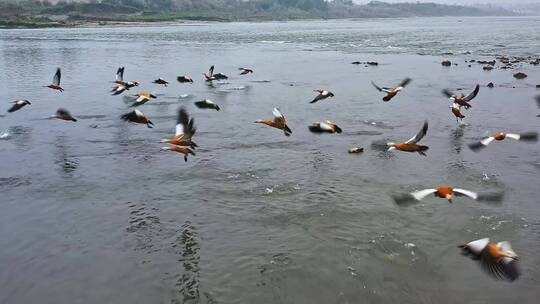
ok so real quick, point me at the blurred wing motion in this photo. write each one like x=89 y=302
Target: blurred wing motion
x=419 y=135
x=473 y=94
x=57 y=77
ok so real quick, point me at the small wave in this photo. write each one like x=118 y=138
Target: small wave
x=5 y=135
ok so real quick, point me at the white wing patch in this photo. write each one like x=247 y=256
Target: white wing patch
x=277 y=113
x=513 y=136
x=487 y=141
x=477 y=246
x=420 y=195
x=179 y=129
x=468 y=193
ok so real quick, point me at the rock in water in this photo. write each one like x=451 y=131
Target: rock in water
x=520 y=75
x=488 y=67
x=446 y=63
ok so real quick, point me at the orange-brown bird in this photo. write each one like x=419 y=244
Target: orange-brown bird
x=55 y=85
x=499 y=136
x=498 y=259
x=462 y=100
x=391 y=93
x=211 y=76
x=63 y=114
x=457 y=113
x=143 y=97
x=448 y=193
x=181 y=142
x=325 y=127
x=18 y=104
x=278 y=122
x=137 y=116
x=411 y=144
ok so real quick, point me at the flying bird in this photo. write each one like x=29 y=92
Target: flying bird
x=18 y=104
x=137 y=116
x=211 y=76
x=530 y=137
x=63 y=114
x=457 y=113
x=245 y=71
x=185 y=130
x=446 y=192
x=55 y=85
x=325 y=127
x=120 y=76
x=498 y=259
x=462 y=100
x=207 y=104
x=121 y=85
x=411 y=144
x=391 y=93
x=184 y=79
x=161 y=81
x=278 y=122
x=323 y=94
x=142 y=98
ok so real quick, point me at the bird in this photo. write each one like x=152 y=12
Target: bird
x=498 y=259
x=185 y=130
x=245 y=71
x=207 y=104
x=18 y=104
x=121 y=85
x=529 y=136
x=456 y=111
x=411 y=144
x=63 y=114
x=161 y=81
x=325 y=127
x=137 y=116
x=142 y=98
x=462 y=101
x=323 y=94
x=119 y=89
x=391 y=93
x=446 y=192
x=278 y=122
x=211 y=77
x=184 y=79
x=356 y=150
x=55 y=85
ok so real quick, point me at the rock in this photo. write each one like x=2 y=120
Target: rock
x=455 y=64
x=356 y=150
x=472 y=60
x=487 y=62
x=446 y=63
x=490 y=85
x=520 y=75
x=488 y=67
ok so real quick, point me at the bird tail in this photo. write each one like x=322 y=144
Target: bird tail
x=287 y=129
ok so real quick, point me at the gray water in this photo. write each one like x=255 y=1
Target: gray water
x=94 y=212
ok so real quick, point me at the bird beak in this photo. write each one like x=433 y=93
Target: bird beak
x=449 y=198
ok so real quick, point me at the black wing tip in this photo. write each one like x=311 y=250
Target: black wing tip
x=403 y=200
x=529 y=136
x=477 y=146
x=495 y=198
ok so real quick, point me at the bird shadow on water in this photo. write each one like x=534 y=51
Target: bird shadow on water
x=67 y=165
x=456 y=138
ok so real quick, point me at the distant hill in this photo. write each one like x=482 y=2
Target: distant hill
x=65 y=13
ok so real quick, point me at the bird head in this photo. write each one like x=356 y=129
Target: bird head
x=449 y=197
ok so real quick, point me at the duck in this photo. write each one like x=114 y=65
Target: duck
x=55 y=85
x=211 y=76
x=180 y=149
x=325 y=127
x=448 y=193
x=411 y=144
x=18 y=104
x=391 y=93
x=63 y=114
x=499 y=136
x=143 y=97
x=245 y=71
x=462 y=101
x=456 y=111
x=355 y=150
x=119 y=78
x=184 y=79
x=323 y=94
x=137 y=116
x=161 y=81
x=499 y=260
x=207 y=104
x=184 y=131
x=278 y=122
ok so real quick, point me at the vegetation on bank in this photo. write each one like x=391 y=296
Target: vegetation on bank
x=41 y=13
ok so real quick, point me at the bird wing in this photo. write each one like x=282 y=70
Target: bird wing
x=278 y=116
x=317 y=98
x=529 y=136
x=184 y=125
x=419 y=135
x=513 y=136
x=473 y=94
x=481 y=144
x=15 y=107
x=141 y=98
x=421 y=194
x=57 y=76
x=387 y=90
x=468 y=193
x=211 y=71
x=500 y=269
x=405 y=82
x=120 y=74
x=447 y=93
x=62 y=112
x=476 y=247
